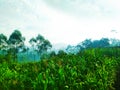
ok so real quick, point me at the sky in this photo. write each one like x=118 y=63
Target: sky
x=61 y=21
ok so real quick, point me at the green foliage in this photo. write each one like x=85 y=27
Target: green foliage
x=13 y=45
x=16 y=37
x=61 y=53
x=3 y=38
x=41 y=45
x=3 y=42
x=93 y=69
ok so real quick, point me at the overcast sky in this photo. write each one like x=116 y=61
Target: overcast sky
x=61 y=21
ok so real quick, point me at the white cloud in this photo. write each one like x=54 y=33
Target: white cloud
x=88 y=8
x=59 y=26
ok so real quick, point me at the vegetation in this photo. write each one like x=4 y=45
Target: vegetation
x=15 y=45
x=91 y=65
x=92 y=69
x=40 y=44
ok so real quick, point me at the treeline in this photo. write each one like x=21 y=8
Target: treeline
x=14 y=47
x=16 y=44
x=88 y=43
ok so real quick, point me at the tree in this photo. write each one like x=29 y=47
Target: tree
x=33 y=43
x=2 y=38
x=16 y=38
x=52 y=54
x=104 y=42
x=87 y=43
x=40 y=44
x=16 y=42
x=61 y=53
x=3 y=42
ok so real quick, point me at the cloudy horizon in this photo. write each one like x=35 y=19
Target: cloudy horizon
x=61 y=21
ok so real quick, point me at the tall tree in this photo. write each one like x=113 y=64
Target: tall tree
x=87 y=43
x=16 y=42
x=2 y=38
x=3 y=43
x=16 y=38
x=33 y=42
x=40 y=44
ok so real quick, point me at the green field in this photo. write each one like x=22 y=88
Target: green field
x=91 y=69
